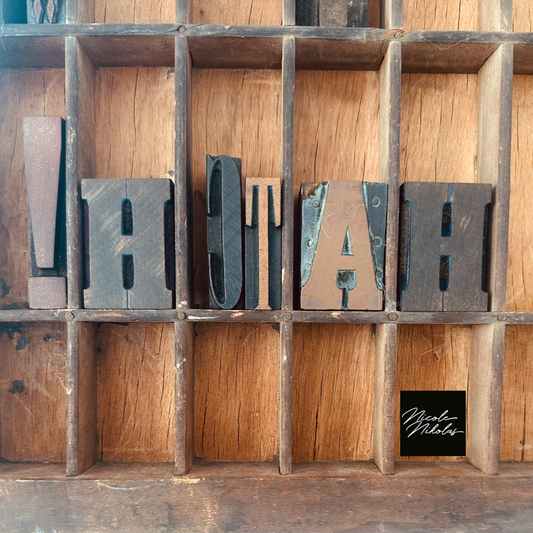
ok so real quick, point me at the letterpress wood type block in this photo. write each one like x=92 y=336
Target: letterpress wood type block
x=224 y=232
x=444 y=246
x=263 y=243
x=42 y=161
x=343 y=245
x=127 y=226
x=339 y=13
x=46 y=11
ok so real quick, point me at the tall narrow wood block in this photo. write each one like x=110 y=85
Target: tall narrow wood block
x=42 y=159
x=343 y=245
x=224 y=232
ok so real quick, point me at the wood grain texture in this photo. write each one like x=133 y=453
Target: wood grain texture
x=522 y=15
x=134 y=12
x=440 y=15
x=33 y=392
x=336 y=127
x=333 y=384
x=251 y=132
x=136 y=392
x=431 y=358
x=438 y=128
x=135 y=122
x=231 y=12
x=236 y=392
x=519 y=273
x=517 y=416
x=24 y=92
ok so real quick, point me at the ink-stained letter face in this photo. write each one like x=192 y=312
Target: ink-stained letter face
x=224 y=232
x=125 y=230
x=263 y=243
x=342 y=247
x=444 y=246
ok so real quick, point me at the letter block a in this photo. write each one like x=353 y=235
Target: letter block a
x=444 y=246
x=343 y=245
x=129 y=243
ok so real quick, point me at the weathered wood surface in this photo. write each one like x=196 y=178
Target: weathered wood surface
x=437 y=142
x=262 y=236
x=431 y=358
x=333 y=392
x=236 y=392
x=26 y=92
x=136 y=392
x=33 y=392
x=420 y=498
x=440 y=15
x=259 y=12
x=136 y=12
x=224 y=232
x=443 y=250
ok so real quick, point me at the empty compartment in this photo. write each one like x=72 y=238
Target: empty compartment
x=522 y=15
x=517 y=410
x=236 y=398
x=233 y=12
x=333 y=392
x=33 y=393
x=432 y=358
x=25 y=92
x=452 y=15
x=135 y=391
x=519 y=275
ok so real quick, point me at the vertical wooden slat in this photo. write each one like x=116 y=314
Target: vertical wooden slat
x=81 y=350
x=184 y=333
x=386 y=334
x=287 y=261
x=80 y=11
x=391 y=14
x=183 y=11
x=289 y=12
x=495 y=90
x=495 y=15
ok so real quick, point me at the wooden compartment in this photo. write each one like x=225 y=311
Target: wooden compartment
x=454 y=15
x=24 y=92
x=126 y=12
x=333 y=381
x=33 y=393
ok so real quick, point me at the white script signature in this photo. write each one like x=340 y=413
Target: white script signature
x=418 y=421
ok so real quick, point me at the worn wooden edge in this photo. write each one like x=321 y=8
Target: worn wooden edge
x=220 y=315
x=495 y=15
x=384 y=397
x=425 y=501
x=485 y=386
x=183 y=11
x=182 y=178
x=80 y=11
x=285 y=404
x=289 y=12
x=287 y=164
x=495 y=93
x=391 y=14
x=184 y=391
x=80 y=155
x=390 y=83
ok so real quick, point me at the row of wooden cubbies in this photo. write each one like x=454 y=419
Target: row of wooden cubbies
x=114 y=395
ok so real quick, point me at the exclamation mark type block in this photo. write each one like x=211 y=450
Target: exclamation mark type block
x=42 y=159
